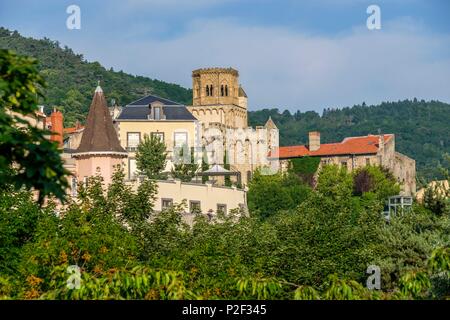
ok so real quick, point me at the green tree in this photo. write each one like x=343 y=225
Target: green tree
x=205 y=165
x=226 y=165
x=335 y=182
x=183 y=169
x=268 y=194
x=151 y=157
x=437 y=198
x=375 y=179
x=27 y=157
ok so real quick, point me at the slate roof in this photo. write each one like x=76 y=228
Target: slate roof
x=139 y=110
x=145 y=101
x=99 y=134
x=351 y=145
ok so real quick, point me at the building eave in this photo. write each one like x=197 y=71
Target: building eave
x=100 y=153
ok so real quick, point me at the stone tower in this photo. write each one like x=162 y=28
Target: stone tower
x=220 y=104
x=218 y=98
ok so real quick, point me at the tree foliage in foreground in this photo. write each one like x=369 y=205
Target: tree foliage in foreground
x=27 y=157
x=318 y=249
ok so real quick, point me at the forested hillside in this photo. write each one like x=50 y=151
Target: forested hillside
x=71 y=79
x=422 y=128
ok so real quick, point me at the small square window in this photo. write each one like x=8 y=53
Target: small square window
x=159 y=135
x=180 y=139
x=222 y=208
x=133 y=140
x=166 y=203
x=195 y=207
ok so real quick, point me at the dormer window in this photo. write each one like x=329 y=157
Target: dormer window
x=157 y=113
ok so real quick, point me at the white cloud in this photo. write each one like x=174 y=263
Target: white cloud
x=286 y=69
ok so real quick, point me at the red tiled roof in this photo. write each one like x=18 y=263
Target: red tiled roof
x=351 y=145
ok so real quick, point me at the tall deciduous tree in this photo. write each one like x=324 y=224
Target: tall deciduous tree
x=151 y=157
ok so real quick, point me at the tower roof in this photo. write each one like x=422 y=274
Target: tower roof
x=215 y=70
x=270 y=124
x=242 y=92
x=99 y=134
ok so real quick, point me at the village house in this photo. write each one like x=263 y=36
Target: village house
x=167 y=120
x=357 y=152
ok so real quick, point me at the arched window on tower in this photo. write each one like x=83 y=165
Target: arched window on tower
x=226 y=90
x=207 y=90
x=221 y=90
x=211 y=90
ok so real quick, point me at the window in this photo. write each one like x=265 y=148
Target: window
x=367 y=161
x=211 y=91
x=249 y=176
x=180 y=139
x=159 y=135
x=207 y=91
x=222 y=208
x=133 y=140
x=194 y=207
x=344 y=164
x=132 y=169
x=226 y=90
x=157 y=113
x=166 y=203
x=222 y=92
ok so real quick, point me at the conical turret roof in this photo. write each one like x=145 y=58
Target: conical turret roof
x=99 y=135
x=270 y=124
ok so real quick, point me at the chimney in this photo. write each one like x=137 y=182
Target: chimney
x=314 y=140
x=56 y=120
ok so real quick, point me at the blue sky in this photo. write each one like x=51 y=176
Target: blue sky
x=299 y=55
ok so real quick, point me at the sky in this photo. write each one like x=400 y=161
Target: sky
x=295 y=55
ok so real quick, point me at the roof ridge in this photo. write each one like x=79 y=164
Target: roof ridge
x=152 y=95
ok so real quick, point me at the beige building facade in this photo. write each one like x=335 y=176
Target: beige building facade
x=154 y=116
